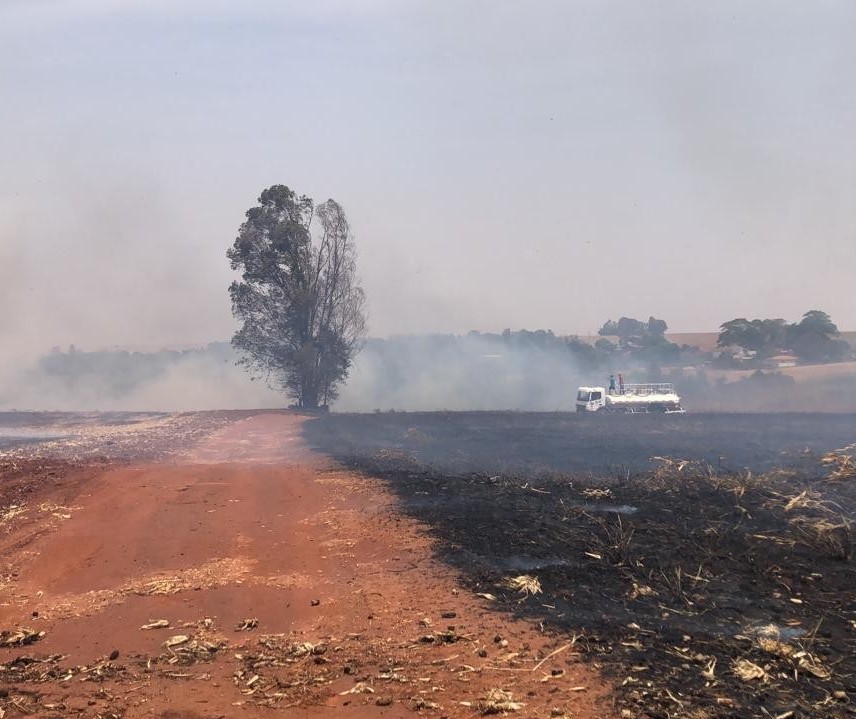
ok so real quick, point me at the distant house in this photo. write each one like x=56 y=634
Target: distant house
x=736 y=352
x=786 y=359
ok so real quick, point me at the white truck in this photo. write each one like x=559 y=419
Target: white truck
x=630 y=399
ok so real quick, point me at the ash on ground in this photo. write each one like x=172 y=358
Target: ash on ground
x=701 y=591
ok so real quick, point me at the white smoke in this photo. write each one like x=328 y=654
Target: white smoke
x=194 y=381
x=464 y=373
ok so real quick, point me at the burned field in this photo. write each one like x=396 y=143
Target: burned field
x=598 y=445
x=716 y=581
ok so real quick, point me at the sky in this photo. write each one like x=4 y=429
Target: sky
x=502 y=164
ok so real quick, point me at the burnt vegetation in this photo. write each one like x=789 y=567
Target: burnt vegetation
x=701 y=591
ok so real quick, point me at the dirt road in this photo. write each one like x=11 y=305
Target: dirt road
x=282 y=583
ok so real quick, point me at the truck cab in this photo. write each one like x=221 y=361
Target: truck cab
x=590 y=399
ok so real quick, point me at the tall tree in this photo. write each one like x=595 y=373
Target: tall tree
x=815 y=339
x=298 y=298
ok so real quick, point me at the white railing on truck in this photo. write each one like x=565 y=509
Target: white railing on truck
x=643 y=390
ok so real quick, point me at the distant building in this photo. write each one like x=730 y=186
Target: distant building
x=736 y=352
x=782 y=361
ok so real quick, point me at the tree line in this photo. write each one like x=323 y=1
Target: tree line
x=814 y=339
x=302 y=318
x=302 y=314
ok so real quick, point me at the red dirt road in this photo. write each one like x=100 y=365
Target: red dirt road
x=344 y=609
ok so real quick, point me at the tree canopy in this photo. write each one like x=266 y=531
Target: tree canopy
x=763 y=337
x=298 y=298
x=628 y=329
x=644 y=341
x=812 y=339
x=815 y=338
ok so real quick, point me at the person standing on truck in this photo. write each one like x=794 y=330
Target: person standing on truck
x=612 y=384
x=620 y=383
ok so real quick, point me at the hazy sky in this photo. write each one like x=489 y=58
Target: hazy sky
x=503 y=164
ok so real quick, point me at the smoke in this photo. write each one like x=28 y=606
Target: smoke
x=203 y=383
x=492 y=372
x=112 y=259
x=162 y=381
x=823 y=391
x=475 y=372
x=525 y=371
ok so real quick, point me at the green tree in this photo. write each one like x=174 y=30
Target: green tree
x=763 y=337
x=735 y=332
x=812 y=339
x=625 y=329
x=301 y=307
x=818 y=323
x=657 y=328
x=628 y=329
x=815 y=338
x=643 y=341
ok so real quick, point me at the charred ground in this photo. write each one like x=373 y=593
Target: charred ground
x=717 y=584
x=597 y=445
